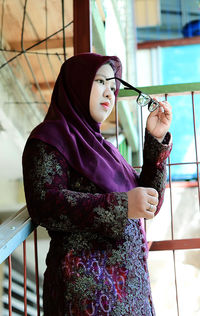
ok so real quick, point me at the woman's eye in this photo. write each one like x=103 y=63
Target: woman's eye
x=100 y=81
x=113 y=89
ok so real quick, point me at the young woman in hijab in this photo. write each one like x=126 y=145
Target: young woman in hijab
x=90 y=199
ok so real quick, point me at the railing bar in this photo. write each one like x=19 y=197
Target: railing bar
x=175 y=280
x=46 y=24
x=184 y=184
x=170 y=189
x=25 y=278
x=176 y=244
x=46 y=42
x=195 y=141
x=142 y=132
x=2 y=19
x=172 y=230
x=10 y=286
x=178 y=164
x=176 y=89
x=37 y=272
x=141 y=141
x=184 y=163
x=14 y=233
x=23 y=23
x=117 y=124
x=169 y=42
x=63 y=23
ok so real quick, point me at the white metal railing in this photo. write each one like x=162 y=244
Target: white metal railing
x=14 y=231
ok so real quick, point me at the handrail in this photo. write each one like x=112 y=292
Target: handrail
x=14 y=231
x=170 y=89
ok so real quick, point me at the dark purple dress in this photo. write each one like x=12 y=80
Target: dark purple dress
x=97 y=261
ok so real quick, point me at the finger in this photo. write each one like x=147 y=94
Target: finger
x=156 y=99
x=166 y=103
x=153 y=200
x=152 y=192
x=148 y=215
x=161 y=109
x=166 y=106
x=154 y=113
x=151 y=207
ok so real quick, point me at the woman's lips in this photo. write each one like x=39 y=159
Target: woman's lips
x=105 y=105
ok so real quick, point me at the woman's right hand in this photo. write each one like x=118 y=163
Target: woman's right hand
x=142 y=202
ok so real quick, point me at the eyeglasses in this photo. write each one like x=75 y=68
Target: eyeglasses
x=142 y=99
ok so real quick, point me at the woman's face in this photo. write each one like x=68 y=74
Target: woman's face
x=102 y=96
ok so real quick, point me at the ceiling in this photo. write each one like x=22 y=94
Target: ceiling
x=32 y=54
x=25 y=24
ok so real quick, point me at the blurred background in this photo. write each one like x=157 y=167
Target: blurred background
x=158 y=42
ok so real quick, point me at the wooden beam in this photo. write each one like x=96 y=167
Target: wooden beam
x=101 y=9
x=82 y=26
x=43 y=85
x=51 y=44
x=98 y=30
x=193 y=243
x=171 y=42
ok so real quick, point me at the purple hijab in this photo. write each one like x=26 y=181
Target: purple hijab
x=69 y=127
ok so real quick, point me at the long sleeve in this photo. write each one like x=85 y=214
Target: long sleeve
x=52 y=203
x=153 y=172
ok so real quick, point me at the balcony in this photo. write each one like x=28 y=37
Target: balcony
x=172 y=247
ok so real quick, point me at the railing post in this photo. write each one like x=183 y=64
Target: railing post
x=82 y=26
x=36 y=272
x=10 y=285
x=25 y=278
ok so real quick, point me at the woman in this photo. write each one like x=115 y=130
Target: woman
x=90 y=200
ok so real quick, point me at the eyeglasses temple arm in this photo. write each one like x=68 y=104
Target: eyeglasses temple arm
x=126 y=84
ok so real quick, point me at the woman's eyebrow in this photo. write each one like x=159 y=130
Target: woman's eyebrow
x=97 y=74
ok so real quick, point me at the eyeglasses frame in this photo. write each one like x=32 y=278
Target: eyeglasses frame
x=128 y=86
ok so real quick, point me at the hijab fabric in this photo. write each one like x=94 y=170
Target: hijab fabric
x=69 y=127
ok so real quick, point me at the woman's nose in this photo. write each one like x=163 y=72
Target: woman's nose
x=108 y=92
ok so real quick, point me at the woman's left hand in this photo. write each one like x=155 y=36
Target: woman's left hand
x=158 y=121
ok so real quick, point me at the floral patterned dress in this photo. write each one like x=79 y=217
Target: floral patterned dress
x=97 y=261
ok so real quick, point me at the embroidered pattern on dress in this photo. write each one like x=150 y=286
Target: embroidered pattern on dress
x=46 y=167
x=115 y=216
x=110 y=281
x=110 y=286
